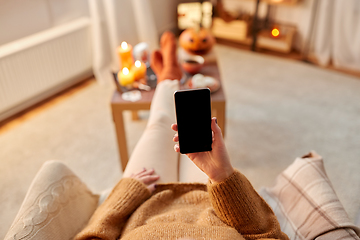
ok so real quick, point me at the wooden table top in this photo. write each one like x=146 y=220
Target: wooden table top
x=210 y=69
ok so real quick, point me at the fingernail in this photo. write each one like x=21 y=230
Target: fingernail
x=216 y=120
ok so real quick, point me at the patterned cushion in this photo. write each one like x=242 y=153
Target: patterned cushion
x=57 y=205
x=306 y=204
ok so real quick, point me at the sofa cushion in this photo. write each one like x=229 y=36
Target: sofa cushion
x=306 y=204
x=57 y=205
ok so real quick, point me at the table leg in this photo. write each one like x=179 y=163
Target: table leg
x=220 y=115
x=221 y=120
x=121 y=137
x=135 y=115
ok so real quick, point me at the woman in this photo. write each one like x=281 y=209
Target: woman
x=154 y=205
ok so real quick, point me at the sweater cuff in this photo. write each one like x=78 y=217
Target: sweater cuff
x=110 y=216
x=236 y=192
x=225 y=186
x=133 y=191
x=237 y=203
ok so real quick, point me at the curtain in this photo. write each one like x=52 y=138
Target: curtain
x=113 y=22
x=337 y=33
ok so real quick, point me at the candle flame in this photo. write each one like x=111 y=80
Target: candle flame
x=275 y=32
x=124 y=45
x=125 y=71
x=137 y=63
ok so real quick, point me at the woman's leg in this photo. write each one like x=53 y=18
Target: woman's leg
x=189 y=172
x=155 y=148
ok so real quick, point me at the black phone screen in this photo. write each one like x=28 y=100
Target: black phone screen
x=193 y=115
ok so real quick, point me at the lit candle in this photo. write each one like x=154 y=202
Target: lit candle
x=125 y=77
x=125 y=55
x=139 y=70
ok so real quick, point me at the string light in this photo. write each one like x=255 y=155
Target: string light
x=275 y=32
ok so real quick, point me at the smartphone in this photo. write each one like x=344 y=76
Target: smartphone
x=193 y=116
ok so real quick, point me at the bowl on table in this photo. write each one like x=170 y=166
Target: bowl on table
x=192 y=64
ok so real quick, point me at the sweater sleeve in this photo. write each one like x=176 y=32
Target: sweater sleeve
x=238 y=204
x=110 y=217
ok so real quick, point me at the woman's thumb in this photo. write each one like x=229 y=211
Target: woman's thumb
x=215 y=128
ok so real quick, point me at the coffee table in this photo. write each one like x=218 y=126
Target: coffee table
x=118 y=105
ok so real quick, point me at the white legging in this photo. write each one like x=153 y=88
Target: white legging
x=155 y=148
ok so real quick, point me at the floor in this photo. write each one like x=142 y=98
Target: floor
x=25 y=115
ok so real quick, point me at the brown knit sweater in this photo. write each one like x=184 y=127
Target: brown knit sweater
x=231 y=209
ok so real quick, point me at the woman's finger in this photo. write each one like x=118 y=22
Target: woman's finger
x=152 y=187
x=138 y=173
x=146 y=173
x=174 y=127
x=176 y=137
x=149 y=179
x=177 y=148
x=215 y=128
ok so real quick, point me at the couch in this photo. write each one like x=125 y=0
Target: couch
x=58 y=204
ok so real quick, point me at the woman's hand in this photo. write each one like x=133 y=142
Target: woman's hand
x=147 y=177
x=215 y=163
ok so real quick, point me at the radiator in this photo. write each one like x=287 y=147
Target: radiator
x=38 y=66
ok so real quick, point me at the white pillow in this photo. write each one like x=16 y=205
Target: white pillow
x=306 y=204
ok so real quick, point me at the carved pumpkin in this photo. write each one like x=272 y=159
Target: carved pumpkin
x=197 y=42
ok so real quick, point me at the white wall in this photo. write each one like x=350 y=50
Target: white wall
x=126 y=21
x=165 y=14
x=62 y=11
x=21 y=18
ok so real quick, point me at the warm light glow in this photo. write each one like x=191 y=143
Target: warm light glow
x=125 y=71
x=124 y=45
x=137 y=63
x=275 y=32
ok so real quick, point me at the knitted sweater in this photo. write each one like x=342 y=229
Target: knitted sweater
x=231 y=209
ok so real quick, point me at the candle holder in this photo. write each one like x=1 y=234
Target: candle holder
x=151 y=81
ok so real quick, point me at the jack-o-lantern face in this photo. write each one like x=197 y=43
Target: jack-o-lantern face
x=196 y=42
